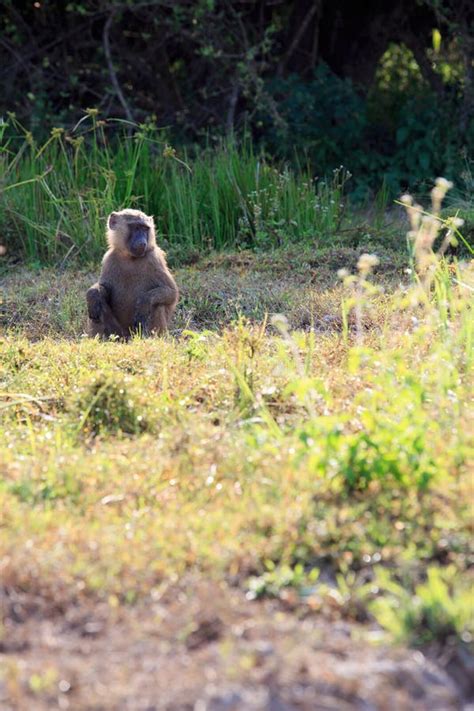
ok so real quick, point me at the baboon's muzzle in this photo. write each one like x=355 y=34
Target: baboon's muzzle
x=139 y=243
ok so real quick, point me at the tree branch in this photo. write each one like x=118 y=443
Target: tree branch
x=234 y=97
x=298 y=36
x=112 y=72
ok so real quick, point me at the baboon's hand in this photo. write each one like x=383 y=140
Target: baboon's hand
x=94 y=305
x=141 y=322
x=143 y=304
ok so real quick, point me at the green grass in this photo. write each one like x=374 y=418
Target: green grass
x=249 y=452
x=54 y=198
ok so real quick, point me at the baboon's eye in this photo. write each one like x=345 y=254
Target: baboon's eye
x=139 y=227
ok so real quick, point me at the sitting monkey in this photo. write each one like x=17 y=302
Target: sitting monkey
x=135 y=291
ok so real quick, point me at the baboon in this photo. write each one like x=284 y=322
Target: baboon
x=136 y=292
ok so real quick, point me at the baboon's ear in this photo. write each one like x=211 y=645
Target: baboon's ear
x=112 y=221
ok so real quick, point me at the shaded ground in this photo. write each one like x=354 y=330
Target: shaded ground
x=203 y=647
x=299 y=283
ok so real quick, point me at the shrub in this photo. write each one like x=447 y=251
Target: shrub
x=105 y=406
x=437 y=611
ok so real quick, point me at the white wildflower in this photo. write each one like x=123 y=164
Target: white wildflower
x=428 y=221
x=443 y=184
x=280 y=322
x=367 y=262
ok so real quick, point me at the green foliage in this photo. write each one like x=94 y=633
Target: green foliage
x=47 y=488
x=437 y=610
x=225 y=68
x=397 y=76
x=127 y=464
x=279 y=453
x=278 y=577
x=400 y=134
x=376 y=457
x=390 y=450
x=463 y=210
x=322 y=120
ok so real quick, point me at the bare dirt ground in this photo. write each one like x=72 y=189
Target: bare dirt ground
x=204 y=647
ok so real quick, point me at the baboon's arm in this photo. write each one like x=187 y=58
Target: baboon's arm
x=98 y=296
x=165 y=295
x=103 y=321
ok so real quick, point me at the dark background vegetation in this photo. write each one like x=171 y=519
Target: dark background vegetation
x=385 y=88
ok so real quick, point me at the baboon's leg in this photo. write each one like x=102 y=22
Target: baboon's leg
x=156 y=321
x=160 y=319
x=106 y=326
x=155 y=308
x=96 y=298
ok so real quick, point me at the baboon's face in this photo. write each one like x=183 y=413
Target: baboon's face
x=131 y=231
x=137 y=240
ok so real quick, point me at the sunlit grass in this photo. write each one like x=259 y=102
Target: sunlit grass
x=227 y=451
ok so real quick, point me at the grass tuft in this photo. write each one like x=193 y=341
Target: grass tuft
x=106 y=407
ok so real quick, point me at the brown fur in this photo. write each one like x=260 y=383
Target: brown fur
x=133 y=294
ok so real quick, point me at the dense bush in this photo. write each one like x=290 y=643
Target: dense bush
x=396 y=135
